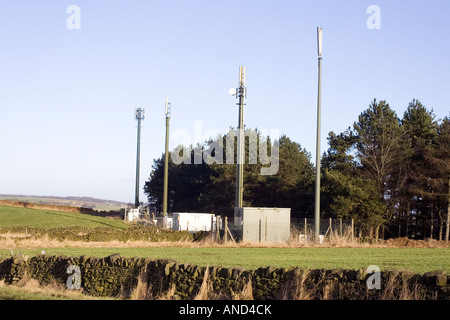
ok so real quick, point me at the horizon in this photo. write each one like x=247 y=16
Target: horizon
x=58 y=197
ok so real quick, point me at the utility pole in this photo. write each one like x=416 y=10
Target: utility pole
x=241 y=93
x=166 y=160
x=317 y=198
x=139 y=115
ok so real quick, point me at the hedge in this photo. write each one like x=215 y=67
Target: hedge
x=105 y=234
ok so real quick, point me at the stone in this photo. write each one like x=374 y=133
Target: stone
x=113 y=258
x=437 y=278
x=168 y=268
x=223 y=272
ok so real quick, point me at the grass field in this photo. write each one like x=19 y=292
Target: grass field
x=30 y=289
x=419 y=260
x=15 y=217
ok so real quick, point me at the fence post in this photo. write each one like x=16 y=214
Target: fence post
x=225 y=234
x=353 y=226
x=212 y=228
x=331 y=229
x=306 y=228
x=217 y=229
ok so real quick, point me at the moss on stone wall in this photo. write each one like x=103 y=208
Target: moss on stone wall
x=118 y=276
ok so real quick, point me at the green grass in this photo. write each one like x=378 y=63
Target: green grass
x=419 y=260
x=46 y=219
x=13 y=292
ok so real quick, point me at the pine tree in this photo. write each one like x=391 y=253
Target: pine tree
x=419 y=195
x=438 y=155
x=381 y=150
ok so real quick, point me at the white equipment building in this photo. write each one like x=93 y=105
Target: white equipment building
x=193 y=222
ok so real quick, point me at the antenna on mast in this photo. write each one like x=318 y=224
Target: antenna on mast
x=241 y=94
x=139 y=115
x=168 y=105
x=166 y=161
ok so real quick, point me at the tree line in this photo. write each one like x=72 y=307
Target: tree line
x=390 y=174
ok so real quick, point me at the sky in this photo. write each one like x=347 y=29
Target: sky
x=73 y=72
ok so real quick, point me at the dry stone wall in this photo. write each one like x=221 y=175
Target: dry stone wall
x=118 y=276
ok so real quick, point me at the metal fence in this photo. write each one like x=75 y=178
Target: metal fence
x=330 y=229
x=302 y=230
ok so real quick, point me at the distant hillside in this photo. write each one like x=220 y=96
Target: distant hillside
x=85 y=202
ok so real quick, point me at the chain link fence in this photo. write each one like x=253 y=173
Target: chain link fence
x=302 y=230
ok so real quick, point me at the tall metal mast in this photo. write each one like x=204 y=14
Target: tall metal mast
x=140 y=115
x=317 y=198
x=166 y=159
x=241 y=93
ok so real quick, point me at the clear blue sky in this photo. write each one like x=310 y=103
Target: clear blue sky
x=67 y=96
